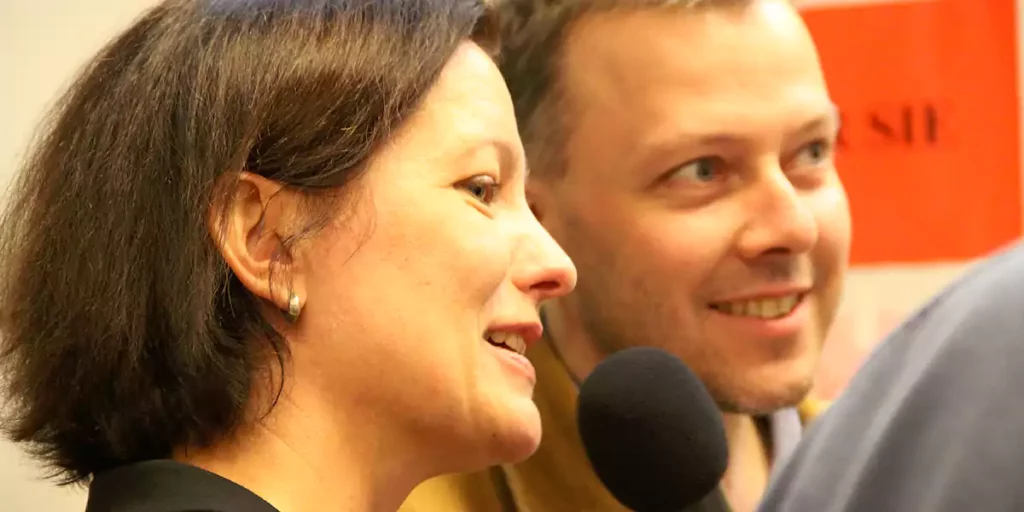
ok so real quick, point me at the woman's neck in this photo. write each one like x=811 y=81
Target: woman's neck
x=300 y=459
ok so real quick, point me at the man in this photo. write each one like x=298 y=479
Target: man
x=933 y=420
x=681 y=153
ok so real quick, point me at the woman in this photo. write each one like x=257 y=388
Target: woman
x=276 y=255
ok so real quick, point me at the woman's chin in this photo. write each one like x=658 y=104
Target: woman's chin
x=513 y=435
x=519 y=436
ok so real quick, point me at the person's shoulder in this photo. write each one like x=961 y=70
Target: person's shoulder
x=991 y=290
x=167 y=486
x=977 y=318
x=925 y=422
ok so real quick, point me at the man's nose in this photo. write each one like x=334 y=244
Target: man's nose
x=779 y=219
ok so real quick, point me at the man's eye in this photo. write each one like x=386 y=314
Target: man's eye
x=702 y=170
x=815 y=153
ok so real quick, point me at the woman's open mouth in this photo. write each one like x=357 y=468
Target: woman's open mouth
x=507 y=340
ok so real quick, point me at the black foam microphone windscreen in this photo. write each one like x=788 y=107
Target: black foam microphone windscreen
x=653 y=434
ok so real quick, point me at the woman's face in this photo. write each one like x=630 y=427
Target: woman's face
x=435 y=253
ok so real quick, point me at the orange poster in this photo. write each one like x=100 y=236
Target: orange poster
x=930 y=146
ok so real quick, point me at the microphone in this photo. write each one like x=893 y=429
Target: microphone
x=653 y=434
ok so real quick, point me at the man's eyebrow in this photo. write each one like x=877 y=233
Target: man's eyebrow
x=829 y=120
x=666 y=143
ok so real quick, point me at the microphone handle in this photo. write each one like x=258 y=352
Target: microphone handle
x=713 y=502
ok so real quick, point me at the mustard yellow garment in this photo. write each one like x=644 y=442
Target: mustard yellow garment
x=557 y=478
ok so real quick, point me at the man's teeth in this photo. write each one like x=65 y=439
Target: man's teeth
x=761 y=308
x=508 y=340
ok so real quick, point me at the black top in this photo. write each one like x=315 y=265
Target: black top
x=168 y=486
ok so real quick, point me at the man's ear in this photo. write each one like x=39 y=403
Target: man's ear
x=250 y=220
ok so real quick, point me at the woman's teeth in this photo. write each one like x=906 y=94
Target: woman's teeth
x=507 y=340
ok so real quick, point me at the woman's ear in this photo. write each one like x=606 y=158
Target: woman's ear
x=250 y=221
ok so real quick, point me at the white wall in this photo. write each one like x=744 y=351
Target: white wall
x=41 y=45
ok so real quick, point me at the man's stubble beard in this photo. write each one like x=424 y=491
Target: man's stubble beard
x=731 y=401
x=612 y=321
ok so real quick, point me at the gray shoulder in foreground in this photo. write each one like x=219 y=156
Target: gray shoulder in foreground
x=932 y=421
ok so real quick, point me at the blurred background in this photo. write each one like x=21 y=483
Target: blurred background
x=930 y=151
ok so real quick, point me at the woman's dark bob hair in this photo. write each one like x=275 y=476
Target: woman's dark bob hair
x=124 y=334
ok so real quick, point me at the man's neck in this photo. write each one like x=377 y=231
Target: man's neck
x=749 y=463
x=577 y=351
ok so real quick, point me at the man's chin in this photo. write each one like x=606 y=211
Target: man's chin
x=760 y=400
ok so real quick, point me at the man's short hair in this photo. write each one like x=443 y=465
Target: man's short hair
x=533 y=33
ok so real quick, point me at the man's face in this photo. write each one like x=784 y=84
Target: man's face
x=700 y=201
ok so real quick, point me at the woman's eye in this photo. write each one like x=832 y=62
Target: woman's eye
x=703 y=170
x=482 y=188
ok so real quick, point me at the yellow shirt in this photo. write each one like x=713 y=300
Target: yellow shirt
x=557 y=478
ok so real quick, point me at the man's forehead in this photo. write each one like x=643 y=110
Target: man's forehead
x=687 y=110
x=651 y=68
x=628 y=134
x=658 y=44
